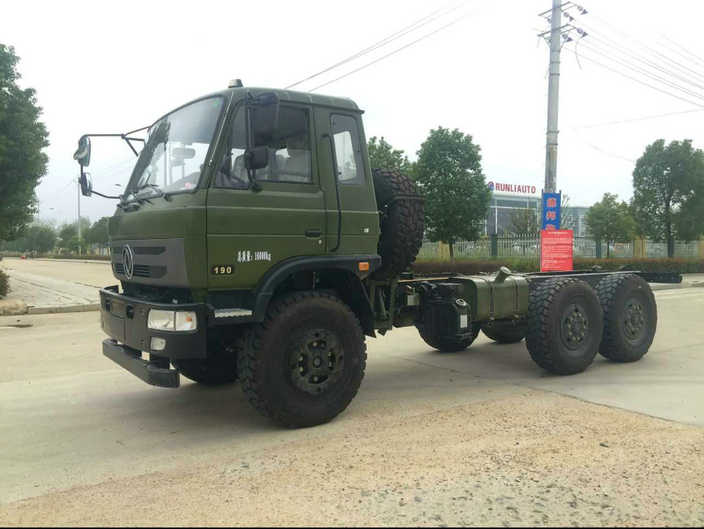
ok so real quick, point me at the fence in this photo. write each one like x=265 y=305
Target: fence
x=528 y=246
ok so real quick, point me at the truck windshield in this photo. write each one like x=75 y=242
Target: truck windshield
x=173 y=156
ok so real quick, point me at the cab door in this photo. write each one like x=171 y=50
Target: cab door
x=253 y=230
x=352 y=219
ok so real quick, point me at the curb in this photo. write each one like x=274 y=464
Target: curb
x=89 y=307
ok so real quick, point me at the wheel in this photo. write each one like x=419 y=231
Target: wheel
x=220 y=366
x=446 y=345
x=402 y=222
x=565 y=325
x=505 y=331
x=305 y=362
x=630 y=317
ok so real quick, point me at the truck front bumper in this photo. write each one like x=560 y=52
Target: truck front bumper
x=124 y=320
x=154 y=373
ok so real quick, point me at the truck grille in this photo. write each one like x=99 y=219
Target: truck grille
x=141 y=270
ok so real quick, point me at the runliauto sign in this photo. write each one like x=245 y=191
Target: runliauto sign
x=500 y=187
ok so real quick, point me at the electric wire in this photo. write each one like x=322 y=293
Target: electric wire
x=408 y=45
x=641 y=118
x=613 y=46
x=643 y=71
x=676 y=47
x=640 y=81
x=418 y=24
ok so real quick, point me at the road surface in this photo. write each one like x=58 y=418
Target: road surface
x=473 y=438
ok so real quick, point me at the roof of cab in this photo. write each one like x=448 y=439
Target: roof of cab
x=299 y=97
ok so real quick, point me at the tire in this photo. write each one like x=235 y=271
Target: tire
x=402 y=222
x=630 y=317
x=505 y=331
x=220 y=367
x=445 y=345
x=565 y=325
x=277 y=359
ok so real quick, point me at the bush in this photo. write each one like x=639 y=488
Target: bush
x=476 y=266
x=4 y=284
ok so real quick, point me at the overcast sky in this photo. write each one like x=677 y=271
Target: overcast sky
x=116 y=66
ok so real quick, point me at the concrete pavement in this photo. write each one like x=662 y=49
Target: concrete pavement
x=478 y=437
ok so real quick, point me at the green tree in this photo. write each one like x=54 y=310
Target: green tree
x=524 y=222
x=449 y=174
x=68 y=235
x=668 y=192
x=98 y=232
x=610 y=221
x=22 y=138
x=383 y=156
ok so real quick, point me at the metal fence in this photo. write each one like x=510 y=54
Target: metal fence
x=528 y=246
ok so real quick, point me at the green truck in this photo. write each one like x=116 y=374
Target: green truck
x=254 y=242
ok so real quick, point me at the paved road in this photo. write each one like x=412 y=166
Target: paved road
x=50 y=283
x=479 y=437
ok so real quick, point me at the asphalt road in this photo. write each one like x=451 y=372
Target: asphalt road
x=478 y=437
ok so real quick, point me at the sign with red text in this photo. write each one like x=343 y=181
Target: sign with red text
x=556 y=250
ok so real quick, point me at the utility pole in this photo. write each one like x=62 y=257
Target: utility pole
x=78 y=205
x=557 y=35
x=553 y=97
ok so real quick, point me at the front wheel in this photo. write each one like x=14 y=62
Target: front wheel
x=305 y=362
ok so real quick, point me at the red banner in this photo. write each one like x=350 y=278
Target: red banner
x=556 y=250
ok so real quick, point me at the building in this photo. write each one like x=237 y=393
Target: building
x=509 y=199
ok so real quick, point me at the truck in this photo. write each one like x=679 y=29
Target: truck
x=253 y=242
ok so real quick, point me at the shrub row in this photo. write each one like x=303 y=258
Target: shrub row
x=476 y=266
x=4 y=284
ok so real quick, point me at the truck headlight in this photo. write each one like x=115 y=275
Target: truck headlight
x=169 y=320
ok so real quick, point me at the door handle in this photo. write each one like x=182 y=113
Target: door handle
x=314 y=232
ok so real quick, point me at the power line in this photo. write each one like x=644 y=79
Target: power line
x=643 y=118
x=644 y=72
x=613 y=45
x=582 y=56
x=646 y=46
x=688 y=55
x=441 y=28
x=423 y=21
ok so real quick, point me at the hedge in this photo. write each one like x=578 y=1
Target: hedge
x=4 y=284
x=476 y=266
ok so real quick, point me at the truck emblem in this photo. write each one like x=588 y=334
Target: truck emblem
x=128 y=260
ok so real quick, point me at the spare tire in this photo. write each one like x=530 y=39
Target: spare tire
x=402 y=221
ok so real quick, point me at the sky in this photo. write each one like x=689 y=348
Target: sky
x=116 y=66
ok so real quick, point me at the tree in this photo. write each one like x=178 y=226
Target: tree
x=449 y=174
x=668 y=192
x=22 y=138
x=610 y=221
x=37 y=237
x=568 y=219
x=98 y=232
x=68 y=235
x=524 y=222
x=383 y=156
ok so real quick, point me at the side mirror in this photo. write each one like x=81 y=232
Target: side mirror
x=264 y=115
x=82 y=154
x=86 y=185
x=257 y=158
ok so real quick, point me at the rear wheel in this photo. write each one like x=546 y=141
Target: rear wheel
x=505 y=331
x=630 y=317
x=448 y=345
x=565 y=325
x=305 y=362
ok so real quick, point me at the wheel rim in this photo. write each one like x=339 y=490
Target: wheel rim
x=575 y=326
x=634 y=320
x=316 y=360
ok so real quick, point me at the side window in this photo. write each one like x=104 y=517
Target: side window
x=348 y=153
x=289 y=153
